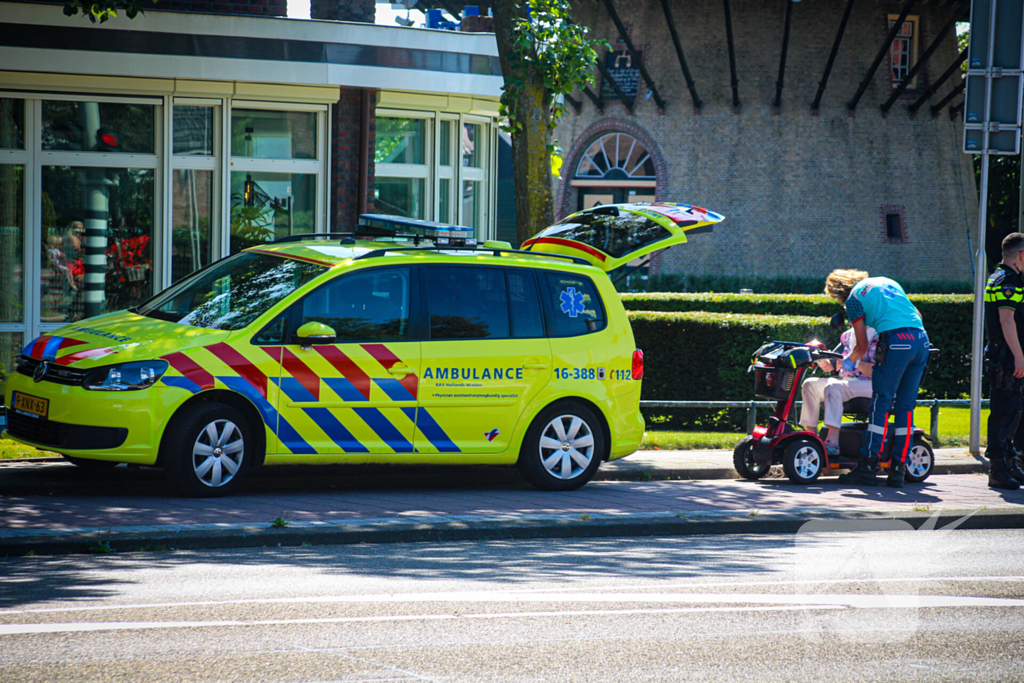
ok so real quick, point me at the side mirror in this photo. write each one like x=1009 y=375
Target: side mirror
x=315 y=333
x=838 y=321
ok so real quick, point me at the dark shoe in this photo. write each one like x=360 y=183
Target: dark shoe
x=896 y=474
x=862 y=475
x=999 y=476
x=1012 y=464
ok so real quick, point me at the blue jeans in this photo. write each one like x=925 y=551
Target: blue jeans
x=894 y=385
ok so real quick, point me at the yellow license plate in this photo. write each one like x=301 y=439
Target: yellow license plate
x=31 y=405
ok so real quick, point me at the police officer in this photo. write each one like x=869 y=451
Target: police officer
x=1004 y=362
x=900 y=359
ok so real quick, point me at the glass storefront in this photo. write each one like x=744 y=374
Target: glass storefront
x=12 y=123
x=12 y=240
x=434 y=166
x=268 y=206
x=11 y=344
x=99 y=127
x=192 y=198
x=273 y=134
x=75 y=201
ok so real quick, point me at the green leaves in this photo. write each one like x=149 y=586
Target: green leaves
x=546 y=47
x=104 y=9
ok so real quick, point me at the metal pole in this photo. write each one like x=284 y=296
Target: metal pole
x=981 y=269
x=751 y=417
x=935 y=422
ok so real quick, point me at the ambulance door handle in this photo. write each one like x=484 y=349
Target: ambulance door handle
x=535 y=366
x=400 y=370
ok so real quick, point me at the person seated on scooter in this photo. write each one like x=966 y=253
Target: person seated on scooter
x=834 y=391
x=900 y=360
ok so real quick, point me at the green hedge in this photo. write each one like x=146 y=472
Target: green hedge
x=703 y=356
x=947 y=317
x=673 y=282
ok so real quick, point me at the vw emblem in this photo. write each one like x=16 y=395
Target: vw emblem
x=40 y=371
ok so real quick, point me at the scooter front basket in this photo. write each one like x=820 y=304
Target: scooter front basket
x=773 y=383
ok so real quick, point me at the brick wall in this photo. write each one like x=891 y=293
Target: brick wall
x=343 y=10
x=343 y=206
x=801 y=193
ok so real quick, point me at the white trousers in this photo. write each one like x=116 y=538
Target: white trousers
x=833 y=391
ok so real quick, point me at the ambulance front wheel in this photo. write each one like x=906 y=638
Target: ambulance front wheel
x=210 y=450
x=563 y=447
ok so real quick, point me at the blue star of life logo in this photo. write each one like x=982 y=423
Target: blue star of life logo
x=572 y=302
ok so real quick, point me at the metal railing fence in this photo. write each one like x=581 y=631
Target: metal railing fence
x=752 y=406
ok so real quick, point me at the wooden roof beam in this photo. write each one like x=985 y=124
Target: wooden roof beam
x=816 y=104
x=953 y=68
x=782 y=57
x=598 y=102
x=607 y=76
x=733 y=80
x=920 y=63
x=690 y=84
x=634 y=54
x=576 y=104
x=948 y=98
x=852 y=104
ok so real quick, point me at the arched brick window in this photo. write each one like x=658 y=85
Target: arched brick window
x=614 y=161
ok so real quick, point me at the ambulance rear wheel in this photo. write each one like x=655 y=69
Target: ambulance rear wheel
x=920 y=461
x=744 y=462
x=563 y=447
x=803 y=461
x=211 y=450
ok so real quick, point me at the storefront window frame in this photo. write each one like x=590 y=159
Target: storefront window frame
x=434 y=173
x=23 y=157
x=42 y=158
x=315 y=166
x=189 y=162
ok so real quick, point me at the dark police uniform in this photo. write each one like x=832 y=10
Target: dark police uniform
x=1005 y=289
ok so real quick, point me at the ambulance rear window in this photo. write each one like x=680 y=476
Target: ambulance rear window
x=572 y=304
x=614 y=232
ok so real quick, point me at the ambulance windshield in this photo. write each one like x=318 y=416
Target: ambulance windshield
x=231 y=294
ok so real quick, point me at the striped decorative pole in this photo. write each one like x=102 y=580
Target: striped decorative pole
x=97 y=212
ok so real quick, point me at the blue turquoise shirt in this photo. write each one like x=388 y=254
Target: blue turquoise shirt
x=882 y=304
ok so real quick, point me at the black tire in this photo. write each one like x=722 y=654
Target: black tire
x=743 y=461
x=920 y=461
x=538 y=458
x=196 y=474
x=803 y=461
x=88 y=464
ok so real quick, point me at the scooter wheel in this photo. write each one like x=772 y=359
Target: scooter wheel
x=743 y=460
x=920 y=461
x=803 y=461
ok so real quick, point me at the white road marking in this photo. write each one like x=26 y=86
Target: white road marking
x=81 y=627
x=792 y=601
x=518 y=595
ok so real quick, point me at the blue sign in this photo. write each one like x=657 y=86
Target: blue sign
x=572 y=302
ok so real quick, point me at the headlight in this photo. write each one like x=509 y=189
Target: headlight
x=126 y=376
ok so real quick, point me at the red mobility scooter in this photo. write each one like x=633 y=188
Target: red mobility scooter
x=779 y=368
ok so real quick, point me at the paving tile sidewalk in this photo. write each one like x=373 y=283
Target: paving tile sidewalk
x=621 y=504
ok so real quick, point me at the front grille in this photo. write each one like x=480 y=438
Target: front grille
x=58 y=374
x=63 y=435
x=37 y=430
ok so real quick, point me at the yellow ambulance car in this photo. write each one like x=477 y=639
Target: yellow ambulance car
x=394 y=350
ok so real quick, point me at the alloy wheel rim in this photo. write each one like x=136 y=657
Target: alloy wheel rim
x=807 y=462
x=566 y=447
x=217 y=453
x=917 y=461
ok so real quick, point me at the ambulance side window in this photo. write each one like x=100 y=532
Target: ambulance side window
x=372 y=305
x=466 y=302
x=571 y=304
x=527 y=321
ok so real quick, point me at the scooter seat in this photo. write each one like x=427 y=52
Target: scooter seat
x=857 y=406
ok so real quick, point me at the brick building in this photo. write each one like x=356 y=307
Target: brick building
x=803 y=191
x=200 y=128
